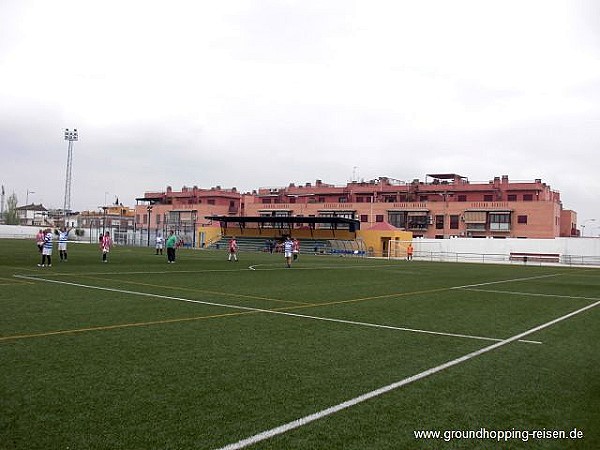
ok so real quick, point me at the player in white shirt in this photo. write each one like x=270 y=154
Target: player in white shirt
x=288 y=248
x=47 y=249
x=63 y=239
x=160 y=241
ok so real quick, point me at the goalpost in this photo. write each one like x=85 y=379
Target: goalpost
x=422 y=249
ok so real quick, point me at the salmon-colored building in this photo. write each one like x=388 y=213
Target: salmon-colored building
x=441 y=206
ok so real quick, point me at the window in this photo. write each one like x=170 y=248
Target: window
x=423 y=198
x=266 y=201
x=359 y=200
x=499 y=221
x=342 y=200
x=211 y=201
x=488 y=198
x=462 y=198
x=364 y=218
x=522 y=220
x=158 y=219
x=321 y=200
x=475 y=217
x=476 y=227
x=417 y=221
x=439 y=222
x=379 y=218
x=512 y=197
x=527 y=197
x=397 y=219
x=454 y=222
x=343 y=214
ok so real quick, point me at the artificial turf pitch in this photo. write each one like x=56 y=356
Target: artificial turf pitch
x=205 y=353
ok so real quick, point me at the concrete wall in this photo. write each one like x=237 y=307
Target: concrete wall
x=564 y=246
x=571 y=250
x=18 y=232
x=29 y=232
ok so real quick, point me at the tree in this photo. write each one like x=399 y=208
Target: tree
x=10 y=216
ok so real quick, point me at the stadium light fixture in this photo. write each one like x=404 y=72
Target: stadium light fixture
x=585 y=222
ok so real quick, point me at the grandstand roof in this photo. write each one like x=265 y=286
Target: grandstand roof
x=285 y=220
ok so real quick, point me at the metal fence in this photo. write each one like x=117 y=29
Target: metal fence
x=502 y=258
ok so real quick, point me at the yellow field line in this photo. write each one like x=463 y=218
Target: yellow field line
x=10 y=281
x=377 y=297
x=118 y=326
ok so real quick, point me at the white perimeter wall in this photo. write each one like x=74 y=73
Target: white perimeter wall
x=587 y=246
x=27 y=232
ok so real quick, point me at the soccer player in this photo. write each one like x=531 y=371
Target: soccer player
x=171 y=246
x=233 y=248
x=296 y=248
x=47 y=249
x=105 y=245
x=39 y=240
x=288 y=247
x=63 y=238
x=409 y=252
x=159 y=244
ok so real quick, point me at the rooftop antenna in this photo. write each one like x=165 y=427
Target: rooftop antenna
x=70 y=136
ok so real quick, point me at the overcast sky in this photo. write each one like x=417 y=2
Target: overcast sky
x=262 y=93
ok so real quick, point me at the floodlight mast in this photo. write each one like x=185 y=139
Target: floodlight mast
x=70 y=136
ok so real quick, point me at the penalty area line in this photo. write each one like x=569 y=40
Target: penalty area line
x=385 y=389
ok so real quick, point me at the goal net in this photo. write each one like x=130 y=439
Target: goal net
x=422 y=249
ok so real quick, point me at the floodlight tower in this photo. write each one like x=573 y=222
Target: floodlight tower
x=2 y=205
x=70 y=136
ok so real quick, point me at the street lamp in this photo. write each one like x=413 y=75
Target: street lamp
x=149 y=208
x=584 y=224
x=104 y=208
x=27 y=196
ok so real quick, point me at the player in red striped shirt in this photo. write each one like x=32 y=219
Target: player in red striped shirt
x=233 y=248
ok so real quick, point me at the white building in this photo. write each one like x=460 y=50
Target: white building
x=36 y=215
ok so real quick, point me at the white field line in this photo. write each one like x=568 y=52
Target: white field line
x=276 y=266
x=506 y=281
x=267 y=311
x=385 y=389
x=532 y=294
x=253 y=267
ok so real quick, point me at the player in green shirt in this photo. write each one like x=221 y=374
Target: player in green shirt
x=171 y=246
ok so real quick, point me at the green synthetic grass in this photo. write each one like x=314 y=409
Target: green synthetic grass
x=88 y=368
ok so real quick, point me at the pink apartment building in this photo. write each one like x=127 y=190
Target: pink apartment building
x=441 y=206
